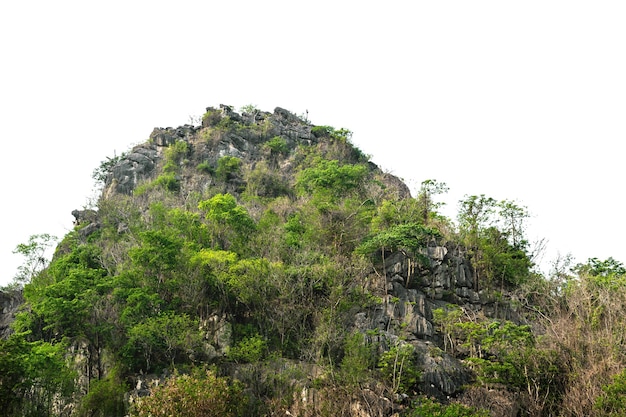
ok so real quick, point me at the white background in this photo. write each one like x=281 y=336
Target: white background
x=516 y=100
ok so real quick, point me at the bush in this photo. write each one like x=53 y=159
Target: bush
x=227 y=167
x=612 y=402
x=357 y=359
x=277 y=145
x=322 y=131
x=211 y=118
x=249 y=350
x=105 y=397
x=429 y=408
x=167 y=181
x=329 y=177
x=205 y=168
x=200 y=394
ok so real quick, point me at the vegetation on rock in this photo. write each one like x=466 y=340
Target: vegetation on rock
x=265 y=266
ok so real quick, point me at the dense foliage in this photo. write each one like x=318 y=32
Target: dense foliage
x=260 y=271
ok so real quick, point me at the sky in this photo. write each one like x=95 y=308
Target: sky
x=522 y=101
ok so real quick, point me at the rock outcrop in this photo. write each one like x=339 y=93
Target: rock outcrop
x=213 y=140
x=10 y=302
x=412 y=293
x=135 y=166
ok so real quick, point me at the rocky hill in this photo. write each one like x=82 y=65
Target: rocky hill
x=258 y=264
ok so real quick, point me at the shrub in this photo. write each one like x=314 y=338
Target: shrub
x=322 y=131
x=328 y=176
x=168 y=181
x=200 y=394
x=430 y=408
x=205 y=168
x=211 y=118
x=277 y=145
x=249 y=350
x=357 y=359
x=612 y=402
x=105 y=397
x=227 y=167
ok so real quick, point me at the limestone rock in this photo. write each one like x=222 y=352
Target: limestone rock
x=84 y=216
x=219 y=334
x=442 y=375
x=10 y=302
x=131 y=169
x=168 y=136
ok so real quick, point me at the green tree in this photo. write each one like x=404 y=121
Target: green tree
x=214 y=266
x=608 y=268
x=68 y=301
x=162 y=341
x=101 y=173
x=330 y=179
x=105 y=397
x=398 y=367
x=357 y=360
x=429 y=189
x=248 y=350
x=447 y=319
x=34 y=252
x=158 y=256
x=502 y=263
x=512 y=218
x=475 y=214
x=230 y=223
x=277 y=146
x=408 y=238
x=33 y=377
x=394 y=212
x=174 y=155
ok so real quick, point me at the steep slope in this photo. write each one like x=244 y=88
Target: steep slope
x=274 y=251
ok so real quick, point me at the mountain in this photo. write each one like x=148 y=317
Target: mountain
x=256 y=264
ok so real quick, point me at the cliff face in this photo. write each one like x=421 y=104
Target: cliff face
x=10 y=303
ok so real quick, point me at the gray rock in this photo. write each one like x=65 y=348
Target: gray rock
x=286 y=116
x=442 y=375
x=84 y=216
x=134 y=167
x=10 y=303
x=89 y=229
x=164 y=137
x=437 y=253
x=219 y=333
